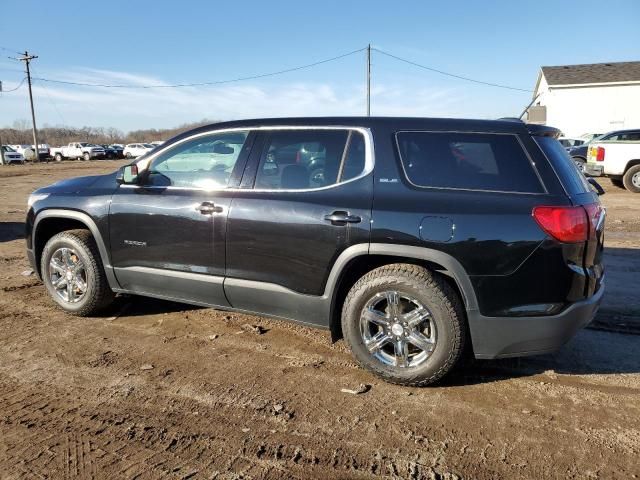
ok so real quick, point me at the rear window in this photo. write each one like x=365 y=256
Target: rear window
x=470 y=161
x=574 y=182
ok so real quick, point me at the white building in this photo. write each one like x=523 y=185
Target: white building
x=593 y=98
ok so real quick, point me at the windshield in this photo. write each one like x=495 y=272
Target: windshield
x=148 y=145
x=84 y=144
x=7 y=149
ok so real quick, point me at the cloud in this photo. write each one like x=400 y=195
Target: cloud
x=165 y=107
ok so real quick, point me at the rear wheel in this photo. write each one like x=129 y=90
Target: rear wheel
x=404 y=324
x=58 y=157
x=631 y=179
x=73 y=273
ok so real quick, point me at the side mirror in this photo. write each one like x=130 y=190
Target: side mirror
x=596 y=186
x=128 y=175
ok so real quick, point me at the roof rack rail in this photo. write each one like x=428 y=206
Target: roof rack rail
x=511 y=119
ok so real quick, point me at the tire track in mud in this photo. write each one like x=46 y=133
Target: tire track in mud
x=63 y=436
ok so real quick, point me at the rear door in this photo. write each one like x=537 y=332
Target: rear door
x=306 y=196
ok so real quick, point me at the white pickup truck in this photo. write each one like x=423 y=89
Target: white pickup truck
x=619 y=161
x=77 y=150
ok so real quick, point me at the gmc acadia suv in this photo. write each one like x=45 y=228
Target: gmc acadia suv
x=417 y=239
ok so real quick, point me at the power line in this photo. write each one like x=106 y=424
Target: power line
x=51 y=101
x=431 y=69
x=10 y=50
x=14 y=89
x=201 y=84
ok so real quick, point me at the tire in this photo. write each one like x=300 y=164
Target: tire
x=631 y=179
x=58 y=157
x=128 y=155
x=444 y=327
x=617 y=182
x=86 y=156
x=82 y=250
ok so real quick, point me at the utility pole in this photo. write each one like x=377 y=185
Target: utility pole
x=26 y=58
x=369 y=80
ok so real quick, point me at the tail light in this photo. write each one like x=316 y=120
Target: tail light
x=594 y=212
x=600 y=154
x=565 y=224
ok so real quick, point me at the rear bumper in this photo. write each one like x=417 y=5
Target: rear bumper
x=593 y=169
x=500 y=337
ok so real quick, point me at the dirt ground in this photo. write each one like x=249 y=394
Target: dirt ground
x=160 y=390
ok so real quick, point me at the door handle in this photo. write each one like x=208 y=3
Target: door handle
x=342 y=218
x=208 y=208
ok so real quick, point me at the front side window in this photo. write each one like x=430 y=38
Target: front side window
x=307 y=159
x=203 y=162
x=470 y=161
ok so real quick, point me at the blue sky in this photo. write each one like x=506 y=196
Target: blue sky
x=144 y=42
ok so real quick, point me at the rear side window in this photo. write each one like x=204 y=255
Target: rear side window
x=470 y=161
x=574 y=182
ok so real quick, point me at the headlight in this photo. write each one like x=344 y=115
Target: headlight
x=34 y=197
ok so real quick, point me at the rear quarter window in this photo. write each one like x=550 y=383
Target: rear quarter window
x=574 y=182
x=469 y=161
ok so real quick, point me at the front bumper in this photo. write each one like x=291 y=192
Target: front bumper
x=500 y=337
x=593 y=169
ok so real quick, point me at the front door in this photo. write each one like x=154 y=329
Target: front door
x=307 y=197
x=168 y=233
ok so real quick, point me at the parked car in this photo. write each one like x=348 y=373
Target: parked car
x=134 y=150
x=78 y=150
x=579 y=153
x=568 y=143
x=27 y=150
x=617 y=159
x=9 y=156
x=424 y=238
x=111 y=151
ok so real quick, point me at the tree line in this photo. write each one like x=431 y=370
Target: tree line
x=20 y=133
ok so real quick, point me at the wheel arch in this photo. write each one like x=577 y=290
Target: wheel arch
x=53 y=221
x=358 y=260
x=631 y=163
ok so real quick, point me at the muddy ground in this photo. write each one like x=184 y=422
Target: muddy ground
x=160 y=390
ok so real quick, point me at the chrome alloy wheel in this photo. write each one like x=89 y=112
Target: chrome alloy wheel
x=635 y=180
x=397 y=329
x=68 y=275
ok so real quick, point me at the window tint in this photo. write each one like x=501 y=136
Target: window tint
x=355 y=158
x=474 y=161
x=203 y=162
x=574 y=182
x=301 y=159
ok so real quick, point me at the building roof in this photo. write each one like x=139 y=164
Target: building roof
x=592 y=73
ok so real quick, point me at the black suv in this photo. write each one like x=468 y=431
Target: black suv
x=419 y=238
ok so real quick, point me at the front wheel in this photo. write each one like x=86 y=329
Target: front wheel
x=405 y=324
x=73 y=274
x=128 y=155
x=631 y=179
x=86 y=156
